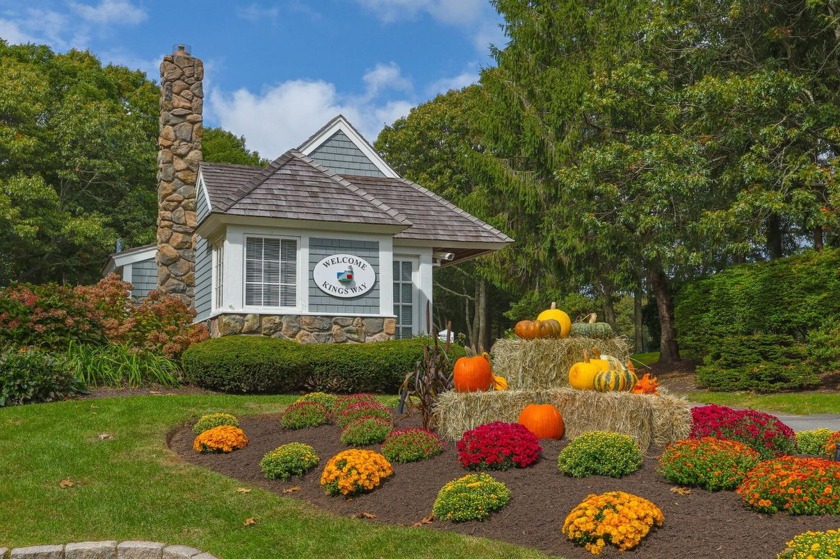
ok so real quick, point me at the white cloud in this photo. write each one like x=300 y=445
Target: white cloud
x=445 y=11
x=110 y=12
x=460 y=81
x=281 y=117
x=149 y=66
x=255 y=13
x=13 y=34
x=383 y=77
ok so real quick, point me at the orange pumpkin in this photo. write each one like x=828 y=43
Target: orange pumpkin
x=473 y=374
x=533 y=329
x=543 y=420
x=646 y=385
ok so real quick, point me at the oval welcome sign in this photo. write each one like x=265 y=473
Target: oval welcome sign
x=344 y=275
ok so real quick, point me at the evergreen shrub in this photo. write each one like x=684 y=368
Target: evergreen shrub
x=256 y=364
x=788 y=296
x=760 y=363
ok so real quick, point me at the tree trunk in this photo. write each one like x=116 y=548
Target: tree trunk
x=774 y=237
x=609 y=307
x=475 y=340
x=818 y=239
x=468 y=320
x=481 y=314
x=668 y=349
x=638 y=325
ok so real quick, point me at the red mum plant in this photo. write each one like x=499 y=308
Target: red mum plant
x=793 y=485
x=349 y=399
x=362 y=409
x=411 y=445
x=763 y=432
x=498 y=446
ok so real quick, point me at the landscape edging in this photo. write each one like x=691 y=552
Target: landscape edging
x=105 y=550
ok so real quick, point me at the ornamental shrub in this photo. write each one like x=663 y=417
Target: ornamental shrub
x=787 y=296
x=28 y=376
x=829 y=448
x=600 y=453
x=617 y=518
x=498 y=446
x=293 y=459
x=259 y=364
x=760 y=363
x=366 y=430
x=793 y=485
x=304 y=414
x=211 y=420
x=472 y=497
x=321 y=397
x=411 y=445
x=355 y=471
x=362 y=409
x=812 y=441
x=763 y=432
x=810 y=545
x=709 y=463
x=224 y=438
x=55 y=316
x=343 y=402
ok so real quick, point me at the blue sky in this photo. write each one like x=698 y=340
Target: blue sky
x=275 y=71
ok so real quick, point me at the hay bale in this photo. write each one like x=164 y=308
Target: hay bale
x=651 y=420
x=545 y=363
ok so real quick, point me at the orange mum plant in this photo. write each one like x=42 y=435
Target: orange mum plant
x=224 y=438
x=355 y=471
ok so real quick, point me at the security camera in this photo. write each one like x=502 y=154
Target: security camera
x=447 y=256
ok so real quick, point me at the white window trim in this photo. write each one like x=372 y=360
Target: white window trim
x=216 y=290
x=260 y=309
x=417 y=296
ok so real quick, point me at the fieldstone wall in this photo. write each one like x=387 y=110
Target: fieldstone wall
x=181 y=131
x=105 y=550
x=312 y=329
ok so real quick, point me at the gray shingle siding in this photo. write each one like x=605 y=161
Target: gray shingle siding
x=203 y=278
x=201 y=207
x=319 y=301
x=143 y=277
x=339 y=154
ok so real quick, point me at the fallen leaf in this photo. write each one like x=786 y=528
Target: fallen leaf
x=249 y=522
x=67 y=482
x=368 y=515
x=681 y=490
x=291 y=490
x=104 y=436
x=242 y=490
x=428 y=520
x=154 y=392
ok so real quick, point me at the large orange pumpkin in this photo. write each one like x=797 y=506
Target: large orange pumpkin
x=543 y=420
x=473 y=374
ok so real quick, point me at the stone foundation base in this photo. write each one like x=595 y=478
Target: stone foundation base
x=309 y=329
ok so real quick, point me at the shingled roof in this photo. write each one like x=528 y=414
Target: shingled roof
x=295 y=187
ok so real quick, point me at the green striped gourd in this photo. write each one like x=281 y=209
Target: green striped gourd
x=615 y=380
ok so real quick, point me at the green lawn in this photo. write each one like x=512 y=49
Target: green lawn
x=800 y=403
x=131 y=487
x=646 y=359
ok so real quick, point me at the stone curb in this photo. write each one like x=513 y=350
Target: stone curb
x=105 y=550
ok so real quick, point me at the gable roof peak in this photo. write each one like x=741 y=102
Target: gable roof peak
x=340 y=123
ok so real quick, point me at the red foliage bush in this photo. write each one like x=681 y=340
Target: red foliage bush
x=763 y=432
x=53 y=316
x=498 y=446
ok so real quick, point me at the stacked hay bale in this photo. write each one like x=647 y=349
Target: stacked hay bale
x=538 y=371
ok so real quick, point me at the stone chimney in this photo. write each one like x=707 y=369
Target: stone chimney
x=181 y=103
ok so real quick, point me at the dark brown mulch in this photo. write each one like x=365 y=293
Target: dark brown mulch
x=697 y=525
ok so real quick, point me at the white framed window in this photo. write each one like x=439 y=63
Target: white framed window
x=218 y=274
x=270 y=272
x=405 y=297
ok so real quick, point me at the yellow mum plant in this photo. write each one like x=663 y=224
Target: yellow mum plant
x=224 y=438
x=355 y=471
x=615 y=517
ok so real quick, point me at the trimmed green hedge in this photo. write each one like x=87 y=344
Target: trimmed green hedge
x=789 y=296
x=254 y=364
x=765 y=363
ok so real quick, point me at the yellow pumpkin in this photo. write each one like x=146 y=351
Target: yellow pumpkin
x=553 y=313
x=582 y=374
x=499 y=383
